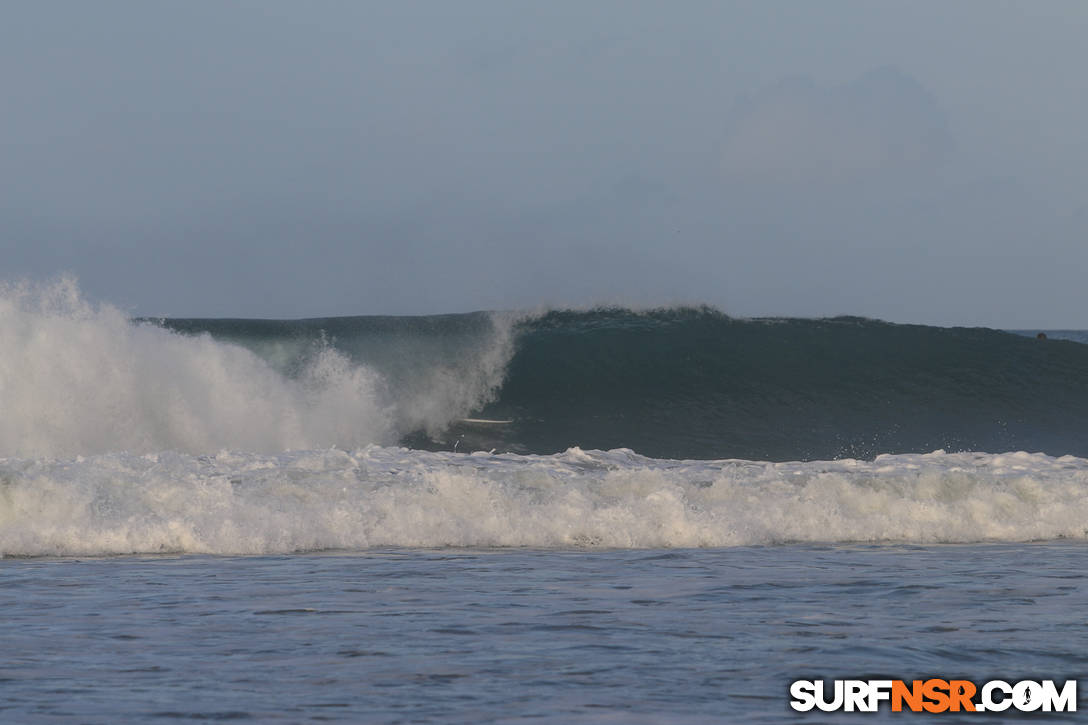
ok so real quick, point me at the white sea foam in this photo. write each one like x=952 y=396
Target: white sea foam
x=77 y=378
x=247 y=503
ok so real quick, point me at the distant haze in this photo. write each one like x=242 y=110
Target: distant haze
x=911 y=161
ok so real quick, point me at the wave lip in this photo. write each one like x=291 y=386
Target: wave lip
x=247 y=503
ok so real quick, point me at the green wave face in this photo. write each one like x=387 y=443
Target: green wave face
x=695 y=383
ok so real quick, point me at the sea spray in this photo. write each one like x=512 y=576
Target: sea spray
x=431 y=370
x=79 y=378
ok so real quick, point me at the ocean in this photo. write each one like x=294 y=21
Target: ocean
x=598 y=515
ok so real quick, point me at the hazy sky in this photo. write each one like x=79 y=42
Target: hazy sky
x=913 y=161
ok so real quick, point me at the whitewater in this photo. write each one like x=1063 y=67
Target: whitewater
x=245 y=503
x=77 y=378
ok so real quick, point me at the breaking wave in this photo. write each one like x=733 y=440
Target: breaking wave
x=269 y=436
x=77 y=378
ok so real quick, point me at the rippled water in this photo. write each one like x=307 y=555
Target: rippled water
x=473 y=636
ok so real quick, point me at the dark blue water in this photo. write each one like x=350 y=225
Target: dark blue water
x=486 y=636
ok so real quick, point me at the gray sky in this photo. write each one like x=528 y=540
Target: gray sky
x=913 y=161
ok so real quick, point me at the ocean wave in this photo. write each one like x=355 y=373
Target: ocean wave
x=680 y=383
x=692 y=382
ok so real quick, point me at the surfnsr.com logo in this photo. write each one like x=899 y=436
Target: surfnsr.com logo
x=934 y=695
